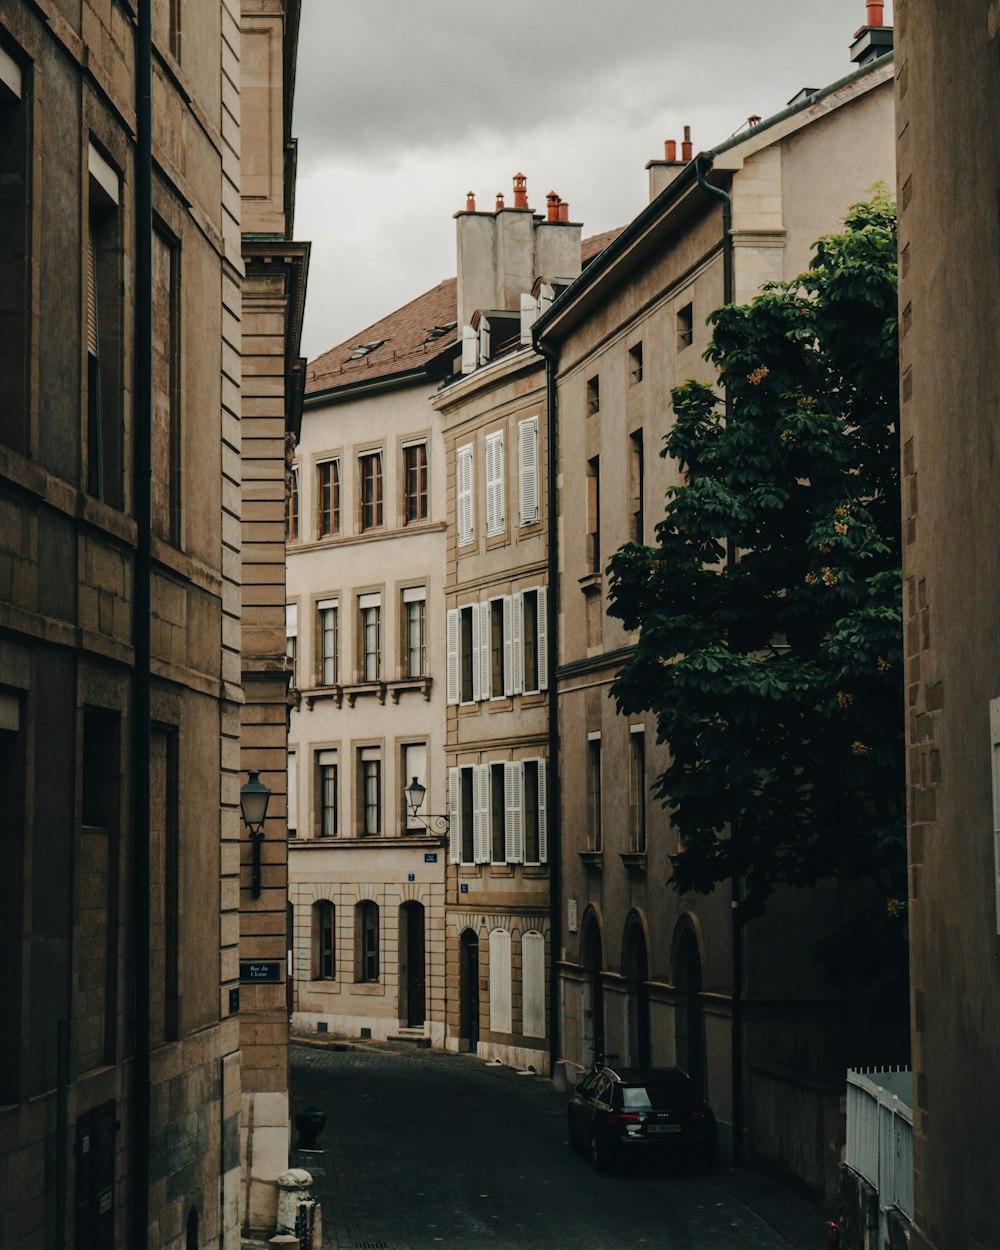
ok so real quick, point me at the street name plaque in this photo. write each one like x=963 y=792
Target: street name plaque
x=260 y=969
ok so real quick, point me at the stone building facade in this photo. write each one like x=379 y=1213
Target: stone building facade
x=949 y=183
x=122 y=1050
x=646 y=975
x=366 y=560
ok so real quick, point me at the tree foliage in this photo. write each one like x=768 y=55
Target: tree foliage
x=768 y=612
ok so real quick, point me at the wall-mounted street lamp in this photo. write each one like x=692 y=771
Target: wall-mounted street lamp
x=414 y=798
x=254 y=797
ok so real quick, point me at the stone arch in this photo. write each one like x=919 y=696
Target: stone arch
x=593 y=961
x=635 y=970
x=689 y=1016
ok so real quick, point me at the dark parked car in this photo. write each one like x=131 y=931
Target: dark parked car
x=623 y=1115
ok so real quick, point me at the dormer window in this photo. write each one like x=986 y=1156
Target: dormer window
x=363 y=349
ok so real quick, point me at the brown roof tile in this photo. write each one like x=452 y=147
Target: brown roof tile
x=407 y=338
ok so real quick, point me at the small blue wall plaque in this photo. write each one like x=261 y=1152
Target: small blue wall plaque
x=430 y=857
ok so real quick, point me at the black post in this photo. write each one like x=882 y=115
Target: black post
x=139 y=1111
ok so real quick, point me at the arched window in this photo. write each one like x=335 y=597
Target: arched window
x=500 y=997
x=366 y=962
x=533 y=984
x=324 y=962
x=191 y=1240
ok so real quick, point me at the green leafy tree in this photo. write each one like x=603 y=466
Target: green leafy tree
x=768 y=613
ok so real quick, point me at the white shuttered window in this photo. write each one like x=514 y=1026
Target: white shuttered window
x=495 y=519
x=533 y=984
x=481 y=815
x=527 y=462
x=500 y=996
x=455 y=815
x=513 y=803
x=453 y=692
x=463 y=472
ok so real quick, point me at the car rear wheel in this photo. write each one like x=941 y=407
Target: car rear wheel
x=599 y=1154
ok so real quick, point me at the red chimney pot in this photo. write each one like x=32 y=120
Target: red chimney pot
x=686 y=149
x=670 y=149
x=499 y=201
x=470 y=202
x=520 y=191
x=874 y=17
x=563 y=211
x=552 y=206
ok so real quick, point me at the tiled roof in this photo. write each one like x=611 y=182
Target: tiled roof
x=409 y=338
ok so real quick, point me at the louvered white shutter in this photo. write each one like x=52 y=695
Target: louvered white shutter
x=470 y=349
x=453 y=655
x=533 y=984
x=508 y=645
x=495 y=519
x=476 y=695
x=484 y=341
x=542 y=642
x=485 y=653
x=517 y=641
x=455 y=814
x=513 y=779
x=527 y=432
x=500 y=998
x=481 y=823
x=529 y=314
x=463 y=473
x=543 y=815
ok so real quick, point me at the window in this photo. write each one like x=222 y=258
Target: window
x=292 y=790
x=533 y=984
x=685 y=326
x=415 y=483
x=104 y=331
x=467 y=815
x=370 y=469
x=370 y=637
x=635 y=364
x=366 y=941
x=594 y=832
x=166 y=379
x=534 y=640
x=414 y=765
x=534 y=813
x=496 y=647
x=495 y=518
x=174 y=34
x=15 y=255
x=637 y=791
x=328 y=498
x=328 y=642
x=292 y=640
x=498 y=830
x=500 y=987
x=464 y=495
x=292 y=506
x=323 y=941
x=327 y=823
x=593 y=396
x=415 y=631
x=468 y=651
x=370 y=791
x=527 y=464
x=469 y=808
x=594 y=514
x=636 y=484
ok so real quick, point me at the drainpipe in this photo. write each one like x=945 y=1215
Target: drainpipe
x=139 y=1111
x=736 y=930
x=554 y=788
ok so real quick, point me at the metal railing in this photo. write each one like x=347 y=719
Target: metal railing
x=880 y=1135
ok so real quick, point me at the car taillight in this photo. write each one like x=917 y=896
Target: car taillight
x=697 y=1115
x=622 y=1119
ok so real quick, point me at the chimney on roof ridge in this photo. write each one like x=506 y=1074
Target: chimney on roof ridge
x=499 y=201
x=670 y=150
x=552 y=206
x=874 y=12
x=753 y=120
x=874 y=39
x=470 y=202
x=563 y=210
x=520 y=191
x=686 y=150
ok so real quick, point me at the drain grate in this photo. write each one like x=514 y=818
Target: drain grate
x=371 y=1245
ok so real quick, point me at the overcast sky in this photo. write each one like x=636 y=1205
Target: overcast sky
x=404 y=105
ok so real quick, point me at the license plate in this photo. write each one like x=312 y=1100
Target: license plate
x=663 y=1128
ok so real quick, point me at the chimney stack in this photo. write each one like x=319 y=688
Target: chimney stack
x=874 y=15
x=874 y=39
x=470 y=202
x=670 y=150
x=563 y=210
x=520 y=191
x=686 y=150
x=499 y=204
x=552 y=206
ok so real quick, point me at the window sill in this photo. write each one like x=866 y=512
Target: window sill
x=501 y=870
x=635 y=862
x=416 y=684
x=535 y=871
x=364 y=688
x=591 y=584
x=322 y=842
x=375 y=988
x=592 y=859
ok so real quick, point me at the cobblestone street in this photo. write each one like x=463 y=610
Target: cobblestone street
x=427 y=1150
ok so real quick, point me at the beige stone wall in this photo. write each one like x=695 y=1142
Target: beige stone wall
x=949 y=158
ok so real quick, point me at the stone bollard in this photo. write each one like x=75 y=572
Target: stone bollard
x=285 y=1240
x=293 y=1186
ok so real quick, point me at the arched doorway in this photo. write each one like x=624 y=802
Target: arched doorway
x=593 y=992
x=635 y=968
x=469 y=989
x=412 y=972
x=689 y=1019
x=191 y=1240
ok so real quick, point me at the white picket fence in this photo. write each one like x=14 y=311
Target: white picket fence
x=880 y=1135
